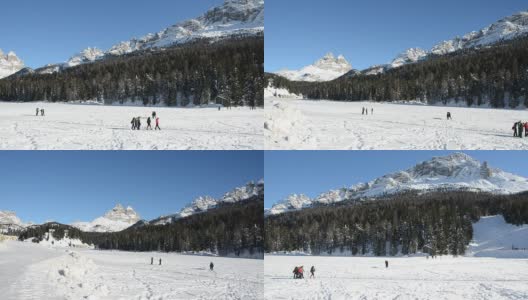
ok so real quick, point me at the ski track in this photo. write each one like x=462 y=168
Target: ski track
x=58 y=273
x=340 y=126
x=406 y=278
x=94 y=127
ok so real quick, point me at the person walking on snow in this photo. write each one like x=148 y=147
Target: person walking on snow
x=363 y=111
x=133 y=122
x=157 y=124
x=153 y=115
x=312 y=272
x=520 y=128
x=211 y=266
x=526 y=129
x=386 y=264
x=148 y=124
x=37 y=112
x=372 y=111
x=138 y=123
x=514 y=129
x=160 y=262
x=449 y=115
x=42 y=112
x=152 y=260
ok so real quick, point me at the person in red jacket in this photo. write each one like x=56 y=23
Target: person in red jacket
x=526 y=129
x=157 y=124
x=301 y=272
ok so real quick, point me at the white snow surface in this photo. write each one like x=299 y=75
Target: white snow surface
x=117 y=219
x=331 y=125
x=350 y=278
x=30 y=271
x=98 y=127
x=9 y=64
x=457 y=171
x=327 y=68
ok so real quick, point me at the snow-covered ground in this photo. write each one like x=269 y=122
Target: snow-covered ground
x=406 y=278
x=94 y=127
x=328 y=125
x=30 y=271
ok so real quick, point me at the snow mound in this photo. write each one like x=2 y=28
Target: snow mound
x=286 y=125
x=493 y=237
x=457 y=171
x=271 y=91
x=327 y=68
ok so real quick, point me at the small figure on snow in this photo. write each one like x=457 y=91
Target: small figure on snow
x=386 y=264
x=148 y=124
x=449 y=115
x=138 y=123
x=160 y=262
x=363 y=111
x=37 y=112
x=42 y=112
x=152 y=260
x=526 y=129
x=372 y=111
x=157 y=125
x=514 y=129
x=520 y=128
x=211 y=266
x=153 y=115
x=312 y=272
x=133 y=122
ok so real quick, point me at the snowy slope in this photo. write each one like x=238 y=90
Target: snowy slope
x=457 y=171
x=493 y=237
x=86 y=56
x=10 y=221
x=9 y=64
x=205 y=203
x=327 y=68
x=117 y=219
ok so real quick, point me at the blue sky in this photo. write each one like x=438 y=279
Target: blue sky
x=298 y=32
x=314 y=172
x=51 y=31
x=71 y=186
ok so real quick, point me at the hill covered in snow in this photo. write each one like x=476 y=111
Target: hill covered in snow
x=9 y=64
x=10 y=222
x=116 y=219
x=325 y=69
x=454 y=172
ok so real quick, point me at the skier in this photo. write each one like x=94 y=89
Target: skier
x=160 y=262
x=157 y=124
x=520 y=128
x=148 y=124
x=386 y=264
x=449 y=115
x=211 y=266
x=152 y=260
x=138 y=124
x=312 y=271
x=42 y=112
x=37 y=112
x=133 y=122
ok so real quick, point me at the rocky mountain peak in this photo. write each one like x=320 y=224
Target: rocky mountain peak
x=9 y=64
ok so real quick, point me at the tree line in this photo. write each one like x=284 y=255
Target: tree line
x=496 y=75
x=230 y=229
x=229 y=72
x=438 y=223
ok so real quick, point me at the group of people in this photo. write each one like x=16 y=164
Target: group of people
x=136 y=122
x=298 y=272
x=518 y=128
x=152 y=261
x=365 y=111
x=41 y=111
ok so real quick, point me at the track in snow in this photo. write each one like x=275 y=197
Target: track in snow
x=29 y=271
x=93 y=127
x=406 y=278
x=327 y=125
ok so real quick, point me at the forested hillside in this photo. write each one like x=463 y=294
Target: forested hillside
x=228 y=72
x=438 y=223
x=496 y=76
x=230 y=229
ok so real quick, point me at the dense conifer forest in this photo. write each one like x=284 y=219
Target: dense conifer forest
x=230 y=229
x=495 y=75
x=229 y=72
x=438 y=223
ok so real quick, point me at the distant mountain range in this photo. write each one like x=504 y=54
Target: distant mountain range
x=9 y=64
x=455 y=172
x=505 y=29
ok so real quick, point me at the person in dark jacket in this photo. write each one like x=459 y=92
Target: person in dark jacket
x=148 y=124
x=42 y=112
x=154 y=115
x=211 y=266
x=520 y=128
x=152 y=260
x=295 y=272
x=160 y=262
x=386 y=264
x=37 y=112
x=449 y=115
x=312 y=272
x=138 y=123
x=514 y=129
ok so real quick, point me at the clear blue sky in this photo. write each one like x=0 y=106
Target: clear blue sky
x=72 y=186
x=51 y=31
x=314 y=172
x=371 y=32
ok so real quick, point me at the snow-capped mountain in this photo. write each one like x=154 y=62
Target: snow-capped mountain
x=86 y=56
x=9 y=64
x=327 y=68
x=505 y=29
x=203 y=204
x=10 y=221
x=117 y=219
x=457 y=171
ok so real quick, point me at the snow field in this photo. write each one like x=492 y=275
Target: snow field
x=330 y=125
x=40 y=272
x=406 y=278
x=95 y=127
